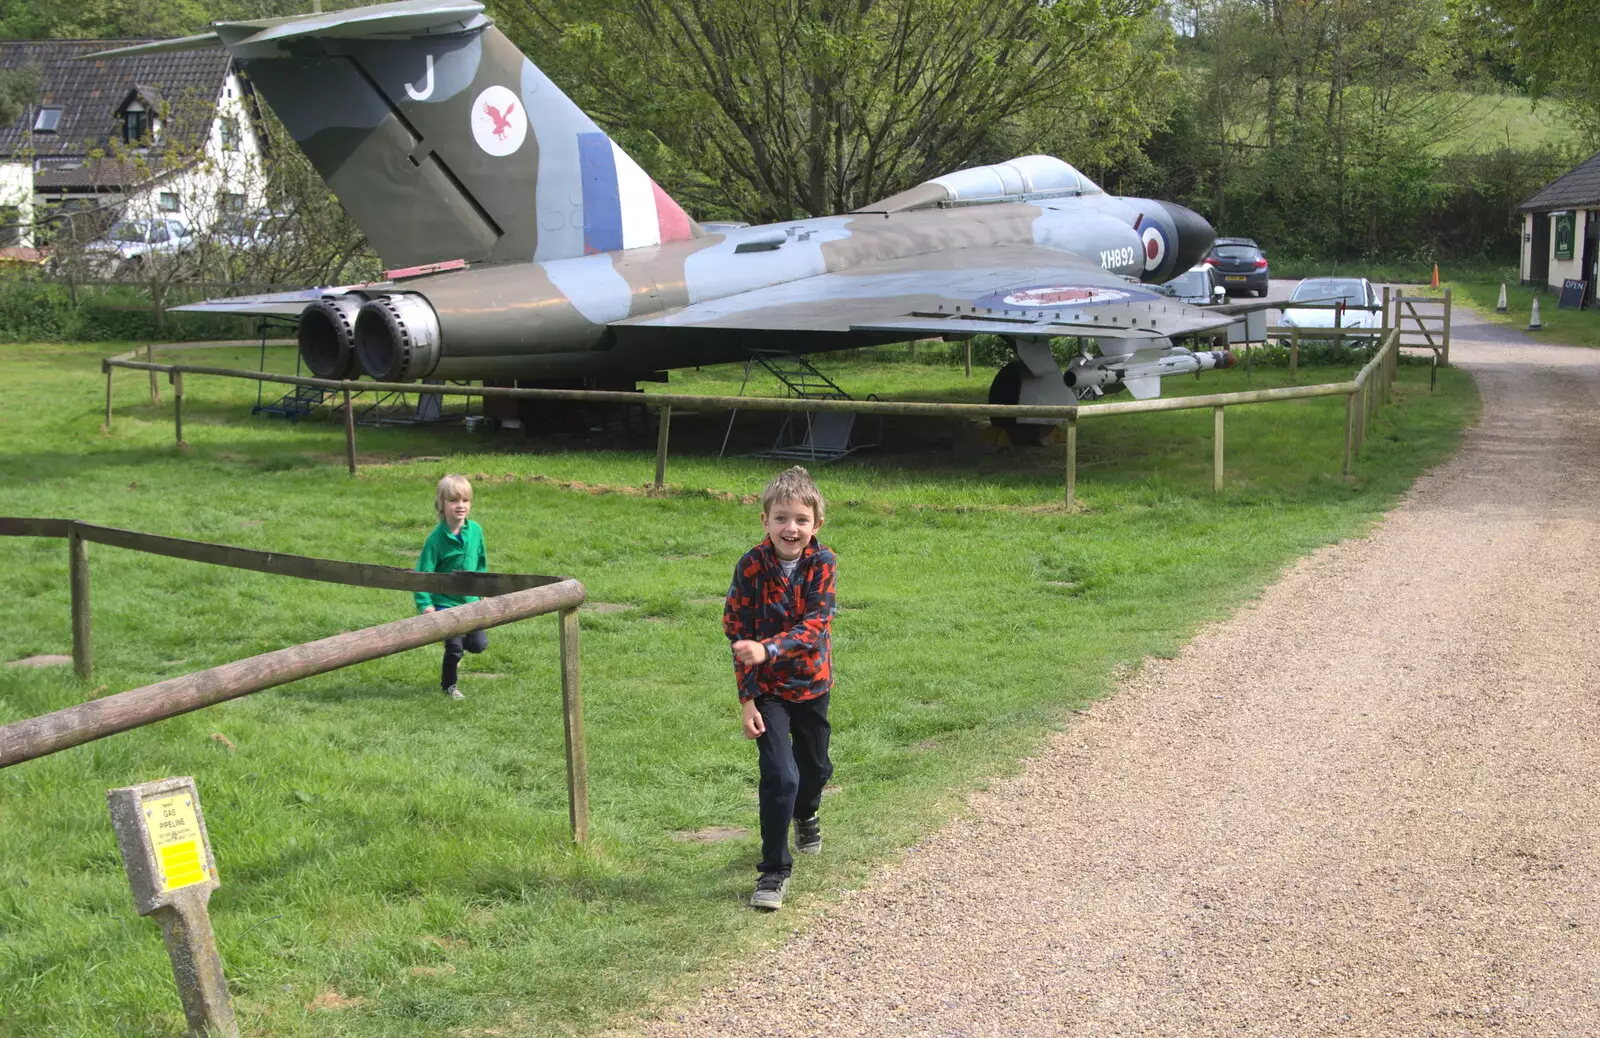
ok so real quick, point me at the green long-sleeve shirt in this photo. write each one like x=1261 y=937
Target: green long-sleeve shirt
x=446 y=552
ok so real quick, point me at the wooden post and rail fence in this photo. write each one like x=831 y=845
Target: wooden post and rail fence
x=508 y=597
x=1393 y=337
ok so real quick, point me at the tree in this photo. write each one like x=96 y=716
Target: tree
x=779 y=108
x=1557 y=48
x=17 y=90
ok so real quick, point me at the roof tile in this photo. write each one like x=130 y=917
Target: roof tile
x=1579 y=186
x=88 y=92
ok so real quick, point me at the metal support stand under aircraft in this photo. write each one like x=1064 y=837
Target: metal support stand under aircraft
x=812 y=436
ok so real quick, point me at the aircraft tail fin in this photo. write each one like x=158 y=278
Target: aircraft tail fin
x=442 y=140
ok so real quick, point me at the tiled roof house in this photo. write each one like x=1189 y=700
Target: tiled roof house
x=1561 y=230
x=167 y=132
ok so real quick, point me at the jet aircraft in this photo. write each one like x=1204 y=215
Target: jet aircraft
x=527 y=247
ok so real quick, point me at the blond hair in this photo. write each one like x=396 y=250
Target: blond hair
x=451 y=487
x=794 y=484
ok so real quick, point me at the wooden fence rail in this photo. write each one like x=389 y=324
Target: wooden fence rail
x=666 y=403
x=508 y=597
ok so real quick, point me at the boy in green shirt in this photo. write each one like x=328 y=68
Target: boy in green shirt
x=455 y=544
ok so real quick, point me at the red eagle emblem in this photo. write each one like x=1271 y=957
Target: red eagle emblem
x=502 y=121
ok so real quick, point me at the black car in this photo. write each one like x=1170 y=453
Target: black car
x=1241 y=264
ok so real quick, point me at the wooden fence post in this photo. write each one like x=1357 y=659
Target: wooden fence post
x=177 y=407
x=78 y=576
x=572 y=717
x=1072 y=463
x=1216 y=448
x=150 y=358
x=1294 y=352
x=664 y=423
x=1446 y=359
x=968 y=345
x=1391 y=371
x=1386 y=308
x=108 y=398
x=349 y=433
x=1349 y=431
x=1366 y=418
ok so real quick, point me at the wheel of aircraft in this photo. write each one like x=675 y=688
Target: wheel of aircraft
x=1007 y=389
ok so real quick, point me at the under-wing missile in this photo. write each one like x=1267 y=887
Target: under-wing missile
x=1142 y=378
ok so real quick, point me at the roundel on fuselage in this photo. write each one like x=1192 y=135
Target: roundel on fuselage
x=1155 y=247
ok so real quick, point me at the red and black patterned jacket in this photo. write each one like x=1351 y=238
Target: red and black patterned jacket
x=791 y=617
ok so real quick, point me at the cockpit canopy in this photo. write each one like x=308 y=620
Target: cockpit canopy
x=1025 y=177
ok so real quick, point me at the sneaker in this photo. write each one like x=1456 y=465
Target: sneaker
x=769 y=891
x=453 y=693
x=808 y=835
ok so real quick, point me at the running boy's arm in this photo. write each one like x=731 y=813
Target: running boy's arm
x=806 y=635
x=427 y=562
x=742 y=596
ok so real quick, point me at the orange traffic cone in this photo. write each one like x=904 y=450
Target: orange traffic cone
x=1436 y=275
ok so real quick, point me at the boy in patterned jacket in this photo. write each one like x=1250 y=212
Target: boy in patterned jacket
x=778 y=617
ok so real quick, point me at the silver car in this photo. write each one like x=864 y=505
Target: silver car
x=1199 y=284
x=1346 y=303
x=132 y=245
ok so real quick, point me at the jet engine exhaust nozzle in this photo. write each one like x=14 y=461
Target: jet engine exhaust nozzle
x=397 y=338
x=327 y=336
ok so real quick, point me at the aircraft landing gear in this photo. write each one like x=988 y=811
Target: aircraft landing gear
x=1007 y=389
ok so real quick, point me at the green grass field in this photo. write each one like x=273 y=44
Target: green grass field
x=1563 y=327
x=1489 y=121
x=395 y=864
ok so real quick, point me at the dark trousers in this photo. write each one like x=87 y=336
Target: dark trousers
x=472 y=641
x=794 y=768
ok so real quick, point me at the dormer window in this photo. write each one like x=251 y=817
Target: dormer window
x=135 y=123
x=48 y=120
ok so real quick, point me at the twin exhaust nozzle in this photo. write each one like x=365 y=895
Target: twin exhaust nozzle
x=393 y=338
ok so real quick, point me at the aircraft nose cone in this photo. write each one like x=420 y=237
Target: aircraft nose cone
x=1195 y=236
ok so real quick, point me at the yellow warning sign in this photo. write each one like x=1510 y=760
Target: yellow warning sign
x=175 y=835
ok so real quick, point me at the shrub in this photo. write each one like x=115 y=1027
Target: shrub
x=37 y=309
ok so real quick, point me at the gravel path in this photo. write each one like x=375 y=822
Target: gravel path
x=1367 y=805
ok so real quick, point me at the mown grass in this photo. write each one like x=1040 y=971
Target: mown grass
x=1564 y=327
x=395 y=864
x=1390 y=272
x=1490 y=121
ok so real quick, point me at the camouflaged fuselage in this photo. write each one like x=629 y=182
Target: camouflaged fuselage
x=604 y=313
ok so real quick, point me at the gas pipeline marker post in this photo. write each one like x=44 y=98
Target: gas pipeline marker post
x=172 y=871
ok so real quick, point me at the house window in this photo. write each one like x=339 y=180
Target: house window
x=48 y=121
x=135 y=124
x=233 y=202
x=228 y=132
x=169 y=202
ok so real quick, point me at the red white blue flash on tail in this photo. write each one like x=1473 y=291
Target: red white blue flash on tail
x=622 y=207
